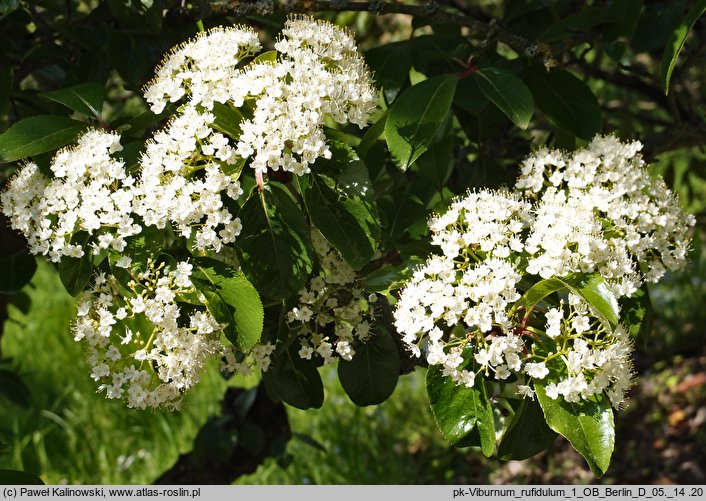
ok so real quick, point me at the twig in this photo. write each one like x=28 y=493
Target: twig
x=430 y=9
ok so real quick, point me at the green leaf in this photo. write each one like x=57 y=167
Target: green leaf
x=416 y=116
x=16 y=271
x=16 y=477
x=13 y=388
x=592 y=288
x=636 y=314
x=391 y=64
x=146 y=244
x=437 y=163
x=390 y=278
x=508 y=93
x=75 y=272
x=133 y=54
x=274 y=247
x=243 y=311
x=86 y=98
x=8 y=6
x=266 y=57
x=469 y=97
x=676 y=43
x=401 y=212
x=227 y=120
x=215 y=439
x=527 y=434
x=371 y=376
x=341 y=204
x=371 y=136
x=459 y=410
x=294 y=380
x=625 y=14
x=587 y=424
x=566 y=101
x=38 y=134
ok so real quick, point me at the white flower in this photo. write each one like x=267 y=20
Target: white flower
x=536 y=370
x=89 y=192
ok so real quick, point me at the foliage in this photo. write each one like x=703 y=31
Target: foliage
x=279 y=237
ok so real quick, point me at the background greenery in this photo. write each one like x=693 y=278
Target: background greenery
x=54 y=424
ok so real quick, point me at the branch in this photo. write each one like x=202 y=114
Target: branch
x=430 y=10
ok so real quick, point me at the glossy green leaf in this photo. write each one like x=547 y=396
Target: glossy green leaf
x=469 y=97
x=676 y=42
x=136 y=126
x=36 y=135
x=266 y=57
x=16 y=477
x=587 y=424
x=400 y=212
x=341 y=204
x=8 y=6
x=416 y=116
x=508 y=93
x=242 y=310
x=459 y=411
x=592 y=288
x=86 y=98
x=625 y=14
x=133 y=54
x=294 y=380
x=390 y=278
x=371 y=136
x=391 y=64
x=566 y=101
x=274 y=247
x=527 y=434
x=636 y=313
x=75 y=272
x=437 y=163
x=16 y=271
x=13 y=388
x=227 y=120
x=371 y=376
x=146 y=244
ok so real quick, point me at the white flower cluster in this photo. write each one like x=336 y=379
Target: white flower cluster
x=638 y=215
x=470 y=285
x=90 y=191
x=332 y=313
x=277 y=107
x=594 y=360
x=203 y=68
x=142 y=347
x=169 y=192
x=318 y=73
x=594 y=211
